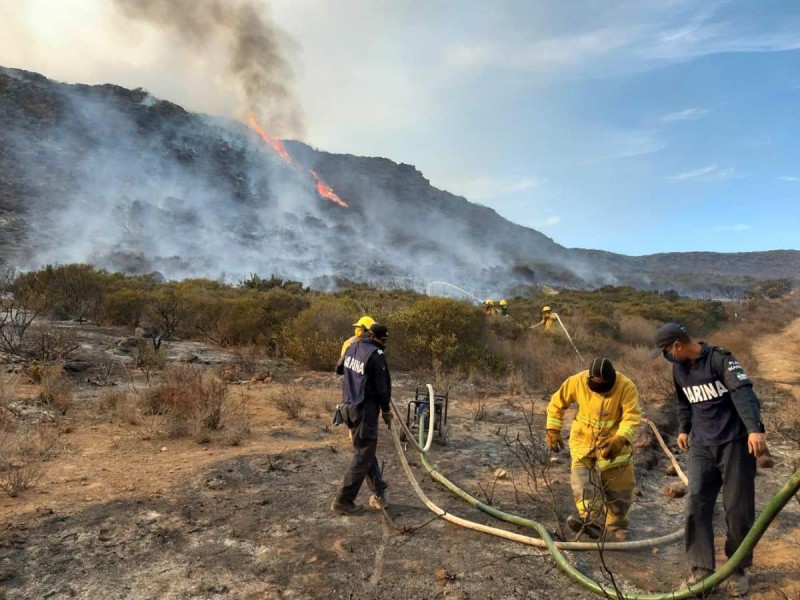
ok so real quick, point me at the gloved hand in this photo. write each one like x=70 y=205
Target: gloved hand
x=611 y=447
x=387 y=418
x=553 y=440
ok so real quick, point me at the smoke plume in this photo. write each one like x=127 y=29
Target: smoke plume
x=255 y=47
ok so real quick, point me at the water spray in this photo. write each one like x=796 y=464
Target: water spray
x=455 y=287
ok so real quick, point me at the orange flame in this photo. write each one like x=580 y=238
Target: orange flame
x=326 y=191
x=323 y=189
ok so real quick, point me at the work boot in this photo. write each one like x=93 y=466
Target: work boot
x=738 y=584
x=345 y=508
x=698 y=575
x=617 y=535
x=579 y=526
x=379 y=501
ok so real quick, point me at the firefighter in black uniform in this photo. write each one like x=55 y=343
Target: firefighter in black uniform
x=719 y=416
x=366 y=391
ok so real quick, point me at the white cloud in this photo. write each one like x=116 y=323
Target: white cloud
x=789 y=178
x=641 y=36
x=688 y=114
x=709 y=173
x=627 y=144
x=549 y=54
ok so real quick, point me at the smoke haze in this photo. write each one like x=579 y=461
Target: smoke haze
x=253 y=44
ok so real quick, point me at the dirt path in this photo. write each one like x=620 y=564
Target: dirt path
x=778 y=355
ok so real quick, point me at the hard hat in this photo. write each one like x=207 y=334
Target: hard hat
x=490 y=302
x=546 y=309
x=365 y=322
x=503 y=302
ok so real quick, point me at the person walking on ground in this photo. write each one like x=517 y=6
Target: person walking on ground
x=719 y=420
x=607 y=418
x=366 y=391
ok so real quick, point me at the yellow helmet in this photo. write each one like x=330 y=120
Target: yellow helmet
x=365 y=322
x=503 y=303
x=489 y=302
x=546 y=309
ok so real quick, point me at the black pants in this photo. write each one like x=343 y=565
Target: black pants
x=364 y=465
x=730 y=467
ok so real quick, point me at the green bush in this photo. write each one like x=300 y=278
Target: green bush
x=314 y=338
x=438 y=333
x=123 y=306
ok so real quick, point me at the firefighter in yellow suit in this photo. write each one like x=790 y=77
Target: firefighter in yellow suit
x=606 y=420
x=549 y=318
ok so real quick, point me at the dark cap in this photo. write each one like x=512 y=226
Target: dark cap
x=666 y=336
x=602 y=368
x=379 y=330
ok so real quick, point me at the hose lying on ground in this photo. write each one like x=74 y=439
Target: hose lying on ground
x=771 y=510
x=517 y=520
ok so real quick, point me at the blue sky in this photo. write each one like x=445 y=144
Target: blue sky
x=636 y=127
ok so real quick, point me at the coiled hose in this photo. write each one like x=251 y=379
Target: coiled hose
x=771 y=510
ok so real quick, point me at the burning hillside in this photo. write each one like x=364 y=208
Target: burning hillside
x=322 y=188
x=122 y=180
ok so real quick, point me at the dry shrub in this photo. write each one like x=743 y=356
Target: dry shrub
x=637 y=331
x=290 y=404
x=147 y=358
x=652 y=377
x=542 y=359
x=515 y=382
x=49 y=343
x=22 y=449
x=8 y=389
x=245 y=359
x=190 y=400
x=786 y=423
x=235 y=421
x=122 y=406
x=477 y=404
x=56 y=388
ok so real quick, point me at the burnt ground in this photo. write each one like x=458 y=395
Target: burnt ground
x=118 y=516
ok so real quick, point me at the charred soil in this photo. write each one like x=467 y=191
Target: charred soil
x=118 y=515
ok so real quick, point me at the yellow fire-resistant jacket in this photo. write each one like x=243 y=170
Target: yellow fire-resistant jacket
x=347 y=343
x=598 y=416
x=549 y=321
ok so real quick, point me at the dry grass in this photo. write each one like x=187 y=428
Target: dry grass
x=291 y=405
x=56 y=388
x=542 y=359
x=637 y=331
x=235 y=421
x=515 y=383
x=122 y=406
x=22 y=450
x=8 y=389
x=191 y=401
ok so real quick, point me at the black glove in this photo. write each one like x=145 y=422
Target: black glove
x=387 y=418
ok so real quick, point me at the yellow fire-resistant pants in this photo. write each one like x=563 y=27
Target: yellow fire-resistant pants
x=602 y=495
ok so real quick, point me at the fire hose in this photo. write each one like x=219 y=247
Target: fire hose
x=771 y=510
x=569 y=337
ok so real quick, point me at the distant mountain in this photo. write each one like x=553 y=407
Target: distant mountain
x=115 y=177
